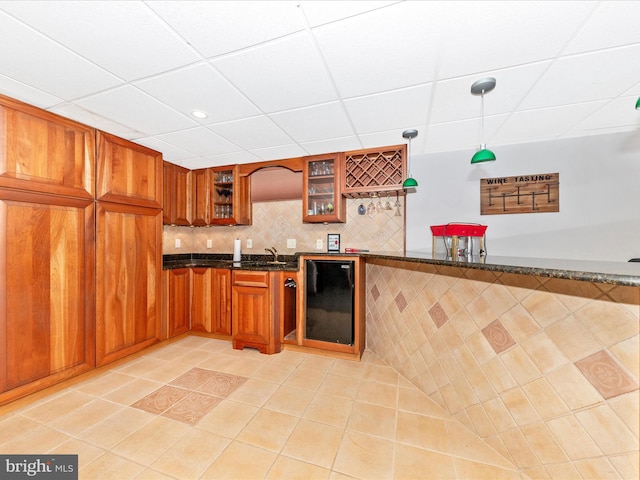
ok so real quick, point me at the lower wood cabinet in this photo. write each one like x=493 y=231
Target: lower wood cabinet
x=179 y=293
x=211 y=300
x=46 y=290
x=128 y=279
x=197 y=299
x=256 y=310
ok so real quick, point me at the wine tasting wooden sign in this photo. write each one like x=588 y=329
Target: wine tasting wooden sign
x=520 y=194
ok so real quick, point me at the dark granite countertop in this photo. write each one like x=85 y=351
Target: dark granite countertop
x=214 y=260
x=614 y=273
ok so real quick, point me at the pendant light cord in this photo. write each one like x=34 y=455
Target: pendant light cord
x=483 y=143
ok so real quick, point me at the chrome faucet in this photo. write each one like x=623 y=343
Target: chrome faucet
x=273 y=252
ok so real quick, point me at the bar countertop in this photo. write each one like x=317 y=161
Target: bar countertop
x=614 y=273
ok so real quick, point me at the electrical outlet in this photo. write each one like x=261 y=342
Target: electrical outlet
x=209 y=243
x=249 y=243
x=178 y=243
x=291 y=243
x=319 y=244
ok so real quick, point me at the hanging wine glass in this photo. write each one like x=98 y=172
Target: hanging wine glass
x=371 y=208
x=387 y=205
x=397 y=205
x=379 y=204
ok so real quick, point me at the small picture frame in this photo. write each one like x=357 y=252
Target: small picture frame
x=333 y=242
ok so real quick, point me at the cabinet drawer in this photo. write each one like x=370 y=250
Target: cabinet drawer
x=251 y=279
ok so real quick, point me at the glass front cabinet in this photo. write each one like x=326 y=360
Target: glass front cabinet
x=322 y=200
x=230 y=203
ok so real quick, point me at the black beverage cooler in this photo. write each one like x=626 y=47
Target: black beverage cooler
x=329 y=297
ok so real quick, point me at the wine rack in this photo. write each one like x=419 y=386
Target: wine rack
x=374 y=170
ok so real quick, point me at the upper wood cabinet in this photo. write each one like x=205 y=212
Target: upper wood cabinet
x=322 y=200
x=128 y=279
x=231 y=197
x=47 y=298
x=128 y=173
x=374 y=170
x=201 y=187
x=177 y=195
x=43 y=152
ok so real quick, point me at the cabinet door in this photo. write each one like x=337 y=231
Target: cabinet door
x=230 y=197
x=128 y=173
x=179 y=301
x=221 y=301
x=42 y=152
x=46 y=290
x=201 y=299
x=182 y=201
x=167 y=193
x=322 y=200
x=201 y=184
x=251 y=310
x=211 y=300
x=128 y=278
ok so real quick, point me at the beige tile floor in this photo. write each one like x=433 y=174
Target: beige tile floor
x=247 y=415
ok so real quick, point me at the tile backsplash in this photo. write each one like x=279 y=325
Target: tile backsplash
x=275 y=222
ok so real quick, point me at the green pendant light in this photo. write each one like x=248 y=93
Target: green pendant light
x=482 y=86
x=410 y=182
x=638 y=104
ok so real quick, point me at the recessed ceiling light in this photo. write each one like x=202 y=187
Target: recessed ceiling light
x=199 y=114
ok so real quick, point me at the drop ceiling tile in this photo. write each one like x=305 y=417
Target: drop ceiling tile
x=252 y=133
x=220 y=27
x=281 y=151
x=612 y=24
x=452 y=99
x=125 y=38
x=390 y=110
x=484 y=36
x=535 y=125
x=385 y=49
x=170 y=153
x=200 y=141
x=131 y=107
x=47 y=65
x=453 y=136
x=82 y=115
x=18 y=90
x=393 y=137
x=586 y=77
x=617 y=113
x=233 y=158
x=319 y=13
x=199 y=87
x=281 y=75
x=342 y=144
x=319 y=122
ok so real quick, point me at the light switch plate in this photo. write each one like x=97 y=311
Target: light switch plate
x=319 y=244
x=178 y=243
x=291 y=243
x=209 y=243
x=249 y=243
